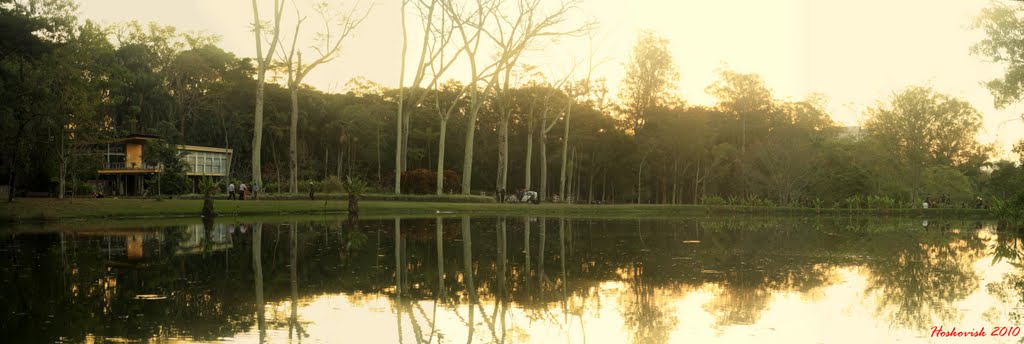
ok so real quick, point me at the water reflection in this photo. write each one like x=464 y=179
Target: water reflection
x=508 y=280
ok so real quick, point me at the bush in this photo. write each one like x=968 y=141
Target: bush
x=333 y=184
x=733 y=200
x=366 y=197
x=267 y=188
x=167 y=183
x=84 y=189
x=423 y=181
x=712 y=200
x=452 y=182
x=880 y=202
x=756 y=201
x=853 y=202
x=419 y=181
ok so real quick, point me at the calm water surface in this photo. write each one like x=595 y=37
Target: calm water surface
x=513 y=280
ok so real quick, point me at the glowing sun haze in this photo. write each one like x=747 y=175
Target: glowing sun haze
x=854 y=52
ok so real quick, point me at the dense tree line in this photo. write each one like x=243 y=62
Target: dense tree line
x=68 y=86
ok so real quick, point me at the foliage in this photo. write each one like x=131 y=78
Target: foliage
x=1003 y=24
x=423 y=181
x=207 y=186
x=880 y=202
x=172 y=179
x=650 y=78
x=1010 y=212
x=853 y=202
x=355 y=186
x=931 y=137
x=712 y=200
x=448 y=198
x=332 y=184
x=84 y=189
x=64 y=79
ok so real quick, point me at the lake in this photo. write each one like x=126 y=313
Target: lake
x=515 y=280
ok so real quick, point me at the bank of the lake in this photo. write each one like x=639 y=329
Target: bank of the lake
x=43 y=210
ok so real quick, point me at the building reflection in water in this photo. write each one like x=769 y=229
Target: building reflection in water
x=511 y=280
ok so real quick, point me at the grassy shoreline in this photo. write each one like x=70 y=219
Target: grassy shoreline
x=49 y=210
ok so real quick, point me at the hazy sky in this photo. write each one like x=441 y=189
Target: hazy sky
x=855 y=52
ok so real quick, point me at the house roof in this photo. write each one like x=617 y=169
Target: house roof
x=205 y=149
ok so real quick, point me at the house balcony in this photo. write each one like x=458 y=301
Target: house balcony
x=121 y=167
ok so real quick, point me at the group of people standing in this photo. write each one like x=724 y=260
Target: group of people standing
x=945 y=202
x=242 y=192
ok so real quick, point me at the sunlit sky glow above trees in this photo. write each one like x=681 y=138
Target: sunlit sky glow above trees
x=854 y=52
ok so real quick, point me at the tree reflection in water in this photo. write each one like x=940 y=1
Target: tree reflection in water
x=1008 y=247
x=643 y=307
x=913 y=276
x=257 y=267
x=915 y=286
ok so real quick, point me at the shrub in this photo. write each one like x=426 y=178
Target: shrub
x=423 y=181
x=818 y=203
x=452 y=182
x=1010 y=213
x=84 y=189
x=880 y=202
x=733 y=200
x=366 y=197
x=853 y=202
x=419 y=181
x=332 y=184
x=756 y=201
x=712 y=200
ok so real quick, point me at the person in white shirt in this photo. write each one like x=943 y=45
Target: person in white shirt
x=241 y=191
x=231 y=191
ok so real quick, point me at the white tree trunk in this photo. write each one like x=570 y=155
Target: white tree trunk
x=440 y=156
x=529 y=158
x=467 y=157
x=293 y=160
x=502 y=181
x=543 y=165
x=565 y=150
x=399 y=154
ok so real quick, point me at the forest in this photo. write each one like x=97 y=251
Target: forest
x=69 y=85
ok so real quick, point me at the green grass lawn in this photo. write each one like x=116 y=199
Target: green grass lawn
x=44 y=209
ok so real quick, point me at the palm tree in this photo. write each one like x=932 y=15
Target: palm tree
x=207 y=186
x=355 y=187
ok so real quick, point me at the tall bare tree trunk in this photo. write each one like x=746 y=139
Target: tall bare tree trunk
x=565 y=149
x=63 y=156
x=263 y=62
x=502 y=182
x=406 y=129
x=529 y=158
x=467 y=157
x=293 y=139
x=590 y=186
x=257 y=131
x=399 y=154
x=544 y=166
x=257 y=267
x=440 y=155
x=675 y=181
x=439 y=224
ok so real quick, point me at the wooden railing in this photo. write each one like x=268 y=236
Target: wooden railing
x=129 y=166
